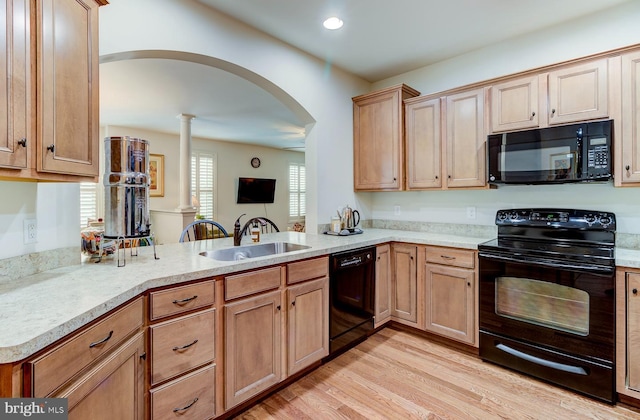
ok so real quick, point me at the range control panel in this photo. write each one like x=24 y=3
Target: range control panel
x=574 y=219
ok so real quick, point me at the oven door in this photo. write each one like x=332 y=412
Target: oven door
x=554 y=323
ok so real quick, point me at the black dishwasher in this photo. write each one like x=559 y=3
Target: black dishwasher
x=351 y=297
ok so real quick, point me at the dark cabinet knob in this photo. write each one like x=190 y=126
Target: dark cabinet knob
x=51 y=148
x=23 y=142
x=278 y=307
x=553 y=111
x=533 y=114
x=634 y=291
x=293 y=303
x=627 y=167
x=469 y=283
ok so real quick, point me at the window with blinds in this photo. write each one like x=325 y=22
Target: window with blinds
x=88 y=202
x=203 y=172
x=297 y=191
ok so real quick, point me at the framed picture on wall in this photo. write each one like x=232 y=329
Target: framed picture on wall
x=156 y=175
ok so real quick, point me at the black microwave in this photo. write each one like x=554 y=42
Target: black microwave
x=554 y=155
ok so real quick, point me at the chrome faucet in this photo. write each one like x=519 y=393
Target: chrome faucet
x=237 y=235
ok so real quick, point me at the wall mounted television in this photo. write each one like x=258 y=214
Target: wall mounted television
x=256 y=190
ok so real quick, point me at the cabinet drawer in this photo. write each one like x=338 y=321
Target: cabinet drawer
x=182 y=344
x=307 y=270
x=246 y=284
x=181 y=299
x=451 y=256
x=54 y=368
x=189 y=397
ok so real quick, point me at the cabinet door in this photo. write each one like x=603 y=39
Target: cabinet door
x=465 y=139
x=308 y=323
x=383 y=285
x=14 y=83
x=514 y=104
x=253 y=347
x=630 y=138
x=423 y=139
x=378 y=127
x=450 y=302
x=633 y=331
x=404 y=300
x=113 y=389
x=67 y=83
x=578 y=93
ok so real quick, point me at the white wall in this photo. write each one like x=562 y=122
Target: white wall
x=324 y=92
x=233 y=161
x=601 y=32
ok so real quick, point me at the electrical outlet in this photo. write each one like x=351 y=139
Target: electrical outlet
x=471 y=212
x=30 y=231
x=396 y=210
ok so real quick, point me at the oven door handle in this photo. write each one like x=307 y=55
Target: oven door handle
x=519 y=258
x=543 y=362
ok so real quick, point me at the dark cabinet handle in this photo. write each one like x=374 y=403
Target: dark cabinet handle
x=51 y=148
x=293 y=303
x=533 y=114
x=436 y=176
x=553 y=111
x=186 y=407
x=104 y=340
x=183 y=301
x=23 y=142
x=278 y=307
x=186 y=346
x=447 y=257
x=634 y=291
x=469 y=283
x=627 y=167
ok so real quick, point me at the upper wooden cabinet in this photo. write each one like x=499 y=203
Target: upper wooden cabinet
x=424 y=143
x=515 y=104
x=465 y=139
x=445 y=141
x=628 y=162
x=378 y=138
x=569 y=94
x=15 y=84
x=59 y=141
x=578 y=93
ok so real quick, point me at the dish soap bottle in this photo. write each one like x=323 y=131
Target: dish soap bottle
x=255 y=233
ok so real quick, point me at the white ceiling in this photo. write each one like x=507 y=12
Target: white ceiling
x=380 y=38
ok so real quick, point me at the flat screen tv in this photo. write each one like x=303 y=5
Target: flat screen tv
x=256 y=190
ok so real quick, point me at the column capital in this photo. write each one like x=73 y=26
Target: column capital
x=185 y=116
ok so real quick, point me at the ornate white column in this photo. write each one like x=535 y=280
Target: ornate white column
x=185 y=161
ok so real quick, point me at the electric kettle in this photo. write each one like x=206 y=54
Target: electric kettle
x=350 y=218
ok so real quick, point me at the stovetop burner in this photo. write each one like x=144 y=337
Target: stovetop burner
x=559 y=235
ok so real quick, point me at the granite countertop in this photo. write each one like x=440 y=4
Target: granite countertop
x=39 y=309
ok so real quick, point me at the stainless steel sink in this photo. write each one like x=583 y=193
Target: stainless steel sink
x=252 y=251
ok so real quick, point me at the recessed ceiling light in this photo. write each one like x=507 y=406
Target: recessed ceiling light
x=333 y=23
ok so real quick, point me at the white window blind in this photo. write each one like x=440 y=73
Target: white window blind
x=203 y=173
x=297 y=191
x=88 y=202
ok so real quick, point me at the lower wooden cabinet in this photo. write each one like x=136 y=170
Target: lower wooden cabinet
x=382 y=311
x=189 y=397
x=406 y=304
x=253 y=346
x=113 y=389
x=450 y=290
x=307 y=323
x=628 y=332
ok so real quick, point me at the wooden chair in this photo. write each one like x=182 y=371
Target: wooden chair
x=203 y=229
x=266 y=226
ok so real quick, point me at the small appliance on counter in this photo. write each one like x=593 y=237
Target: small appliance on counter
x=345 y=223
x=126 y=184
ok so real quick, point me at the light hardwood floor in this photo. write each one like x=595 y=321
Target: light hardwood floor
x=397 y=375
